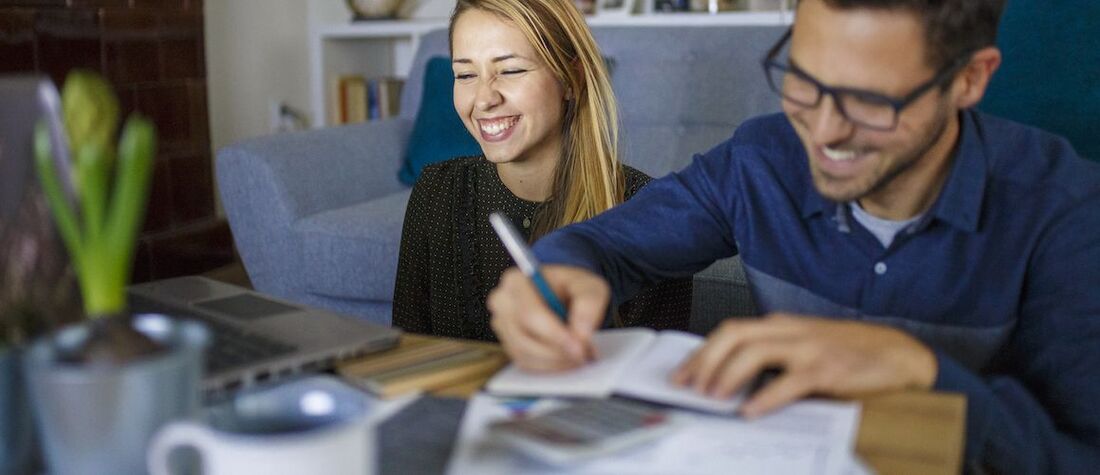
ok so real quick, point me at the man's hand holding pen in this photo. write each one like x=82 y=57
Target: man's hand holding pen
x=533 y=335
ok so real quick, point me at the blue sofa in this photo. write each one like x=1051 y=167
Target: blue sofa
x=317 y=215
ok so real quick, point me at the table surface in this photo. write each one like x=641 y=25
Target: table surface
x=903 y=432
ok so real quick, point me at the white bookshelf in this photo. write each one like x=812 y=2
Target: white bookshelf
x=387 y=47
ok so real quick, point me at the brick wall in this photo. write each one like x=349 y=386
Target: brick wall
x=152 y=51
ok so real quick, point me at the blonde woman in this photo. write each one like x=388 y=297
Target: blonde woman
x=532 y=88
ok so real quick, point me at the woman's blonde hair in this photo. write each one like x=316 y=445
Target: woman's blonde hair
x=589 y=178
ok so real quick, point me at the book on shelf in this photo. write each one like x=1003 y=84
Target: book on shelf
x=354 y=98
x=349 y=99
x=633 y=362
x=389 y=96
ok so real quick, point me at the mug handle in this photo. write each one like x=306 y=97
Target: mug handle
x=176 y=435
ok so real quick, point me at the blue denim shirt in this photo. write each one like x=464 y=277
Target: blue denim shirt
x=1001 y=277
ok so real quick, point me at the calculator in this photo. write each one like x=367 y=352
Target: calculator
x=584 y=430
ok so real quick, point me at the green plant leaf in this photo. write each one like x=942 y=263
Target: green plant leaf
x=136 y=151
x=93 y=171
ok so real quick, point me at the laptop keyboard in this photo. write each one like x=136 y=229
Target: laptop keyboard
x=229 y=346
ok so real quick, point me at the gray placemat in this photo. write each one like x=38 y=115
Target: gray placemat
x=418 y=440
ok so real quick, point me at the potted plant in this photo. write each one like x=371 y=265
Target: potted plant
x=101 y=241
x=101 y=388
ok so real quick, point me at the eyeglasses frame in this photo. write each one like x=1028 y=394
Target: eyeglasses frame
x=898 y=104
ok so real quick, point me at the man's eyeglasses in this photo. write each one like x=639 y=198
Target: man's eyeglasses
x=865 y=108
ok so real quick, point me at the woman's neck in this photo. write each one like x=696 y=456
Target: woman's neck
x=530 y=180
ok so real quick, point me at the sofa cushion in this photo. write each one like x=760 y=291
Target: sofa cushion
x=351 y=252
x=438 y=133
x=658 y=150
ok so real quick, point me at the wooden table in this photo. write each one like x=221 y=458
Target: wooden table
x=905 y=432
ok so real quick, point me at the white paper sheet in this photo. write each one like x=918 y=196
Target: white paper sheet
x=809 y=437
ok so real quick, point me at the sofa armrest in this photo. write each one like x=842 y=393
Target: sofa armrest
x=719 y=292
x=268 y=183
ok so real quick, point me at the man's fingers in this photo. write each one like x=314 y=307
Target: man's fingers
x=749 y=362
x=700 y=369
x=789 y=387
x=527 y=326
x=534 y=336
x=550 y=331
x=586 y=313
x=586 y=296
x=709 y=358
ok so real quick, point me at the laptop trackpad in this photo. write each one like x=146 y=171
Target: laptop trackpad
x=246 y=307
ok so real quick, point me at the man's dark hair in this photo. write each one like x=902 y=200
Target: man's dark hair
x=952 y=27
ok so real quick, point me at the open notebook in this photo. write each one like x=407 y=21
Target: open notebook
x=633 y=362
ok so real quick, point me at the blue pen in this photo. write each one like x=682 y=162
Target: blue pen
x=525 y=259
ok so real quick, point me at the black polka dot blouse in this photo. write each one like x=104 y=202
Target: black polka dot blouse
x=450 y=257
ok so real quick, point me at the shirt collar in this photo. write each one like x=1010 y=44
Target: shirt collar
x=960 y=201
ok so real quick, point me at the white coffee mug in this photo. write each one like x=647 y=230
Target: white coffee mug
x=318 y=425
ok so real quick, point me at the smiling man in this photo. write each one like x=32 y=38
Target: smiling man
x=893 y=237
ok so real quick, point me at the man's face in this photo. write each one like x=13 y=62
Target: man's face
x=881 y=51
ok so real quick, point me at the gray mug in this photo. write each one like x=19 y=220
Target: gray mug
x=97 y=420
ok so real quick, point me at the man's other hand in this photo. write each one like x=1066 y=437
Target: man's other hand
x=816 y=355
x=533 y=335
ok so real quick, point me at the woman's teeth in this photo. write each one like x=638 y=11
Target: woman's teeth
x=496 y=126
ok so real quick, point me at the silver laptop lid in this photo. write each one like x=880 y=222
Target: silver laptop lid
x=310 y=339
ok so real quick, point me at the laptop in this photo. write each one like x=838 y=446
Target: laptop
x=257 y=338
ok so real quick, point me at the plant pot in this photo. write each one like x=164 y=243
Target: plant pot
x=96 y=419
x=16 y=425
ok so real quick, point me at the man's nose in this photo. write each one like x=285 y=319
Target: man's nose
x=828 y=125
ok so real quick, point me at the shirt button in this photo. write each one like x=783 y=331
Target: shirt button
x=880 y=268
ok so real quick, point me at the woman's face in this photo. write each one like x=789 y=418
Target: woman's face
x=508 y=98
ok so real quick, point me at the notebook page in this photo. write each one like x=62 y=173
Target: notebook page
x=648 y=378
x=617 y=349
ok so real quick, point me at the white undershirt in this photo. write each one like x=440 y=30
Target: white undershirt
x=883 y=229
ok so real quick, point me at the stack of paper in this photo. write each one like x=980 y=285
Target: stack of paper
x=810 y=437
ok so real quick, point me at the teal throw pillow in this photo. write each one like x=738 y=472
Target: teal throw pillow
x=438 y=134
